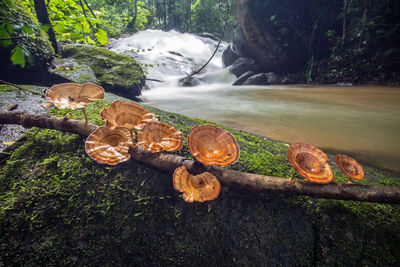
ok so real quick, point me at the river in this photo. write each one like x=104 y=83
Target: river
x=362 y=121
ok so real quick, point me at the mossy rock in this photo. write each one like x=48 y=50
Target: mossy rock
x=119 y=74
x=59 y=207
x=36 y=44
x=70 y=70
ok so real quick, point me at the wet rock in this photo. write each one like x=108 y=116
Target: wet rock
x=272 y=77
x=175 y=53
x=243 y=78
x=262 y=79
x=188 y=81
x=229 y=56
x=26 y=102
x=242 y=65
x=116 y=73
x=263 y=32
x=72 y=71
x=258 y=79
x=292 y=79
x=208 y=35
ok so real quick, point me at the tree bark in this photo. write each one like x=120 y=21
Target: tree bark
x=248 y=181
x=131 y=24
x=344 y=19
x=43 y=17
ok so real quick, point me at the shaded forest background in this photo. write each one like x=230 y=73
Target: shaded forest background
x=343 y=39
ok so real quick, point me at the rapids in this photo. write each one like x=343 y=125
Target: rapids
x=362 y=121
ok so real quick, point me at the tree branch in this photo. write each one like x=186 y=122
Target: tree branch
x=248 y=181
x=90 y=9
x=20 y=88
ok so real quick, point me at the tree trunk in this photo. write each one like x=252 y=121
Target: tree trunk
x=131 y=24
x=344 y=19
x=188 y=14
x=43 y=17
x=248 y=181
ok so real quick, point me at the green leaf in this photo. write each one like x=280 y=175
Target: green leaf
x=9 y=28
x=44 y=27
x=9 y=3
x=5 y=43
x=27 y=29
x=18 y=57
x=3 y=31
x=60 y=28
x=102 y=37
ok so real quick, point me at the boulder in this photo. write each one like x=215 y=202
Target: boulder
x=188 y=81
x=272 y=78
x=243 y=78
x=262 y=79
x=35 y=45
x=229 y=56
x=242 y=65
x=258 y=79
x=292 y=79
x=116 y=73
x=72 y=71
x=265 y=32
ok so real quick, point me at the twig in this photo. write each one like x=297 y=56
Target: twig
x=84 y=13
x=91 y=11
x=20 y=88
x=248 y=181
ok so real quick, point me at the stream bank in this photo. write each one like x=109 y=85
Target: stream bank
x=58 y=206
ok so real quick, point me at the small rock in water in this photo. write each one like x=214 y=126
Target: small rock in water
x=11 y=107
x=188 y=81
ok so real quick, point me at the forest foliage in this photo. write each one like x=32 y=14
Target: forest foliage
x=345 y=38
x=94 y=21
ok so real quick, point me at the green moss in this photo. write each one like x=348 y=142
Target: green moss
x=113 y=71
x=59 y=207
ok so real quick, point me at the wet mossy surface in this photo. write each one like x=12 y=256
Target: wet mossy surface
x=59 y=207
x=119 y=74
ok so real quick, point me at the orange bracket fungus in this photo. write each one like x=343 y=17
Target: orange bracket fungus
x=201 y=187
x=211 y=145
x=74 y=96
x=155 y=136
x=350 y=167
x=125 y=114
x=109 y=146
x=310 y=162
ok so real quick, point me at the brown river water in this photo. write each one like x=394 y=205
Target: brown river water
x=362 y=121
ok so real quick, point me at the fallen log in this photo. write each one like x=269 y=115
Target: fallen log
x=248 y=181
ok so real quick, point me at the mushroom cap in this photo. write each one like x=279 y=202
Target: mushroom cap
x=109 y=146
x=350 y=167
x=155 y=136
x=211 y=145
x=310 y=162
x=73 y=95
x=201 y=187
x=125 y=114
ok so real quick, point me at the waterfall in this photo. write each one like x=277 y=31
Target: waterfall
x=171 y=55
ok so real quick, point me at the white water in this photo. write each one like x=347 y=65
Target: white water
x=362 y=121
x=171 y=55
